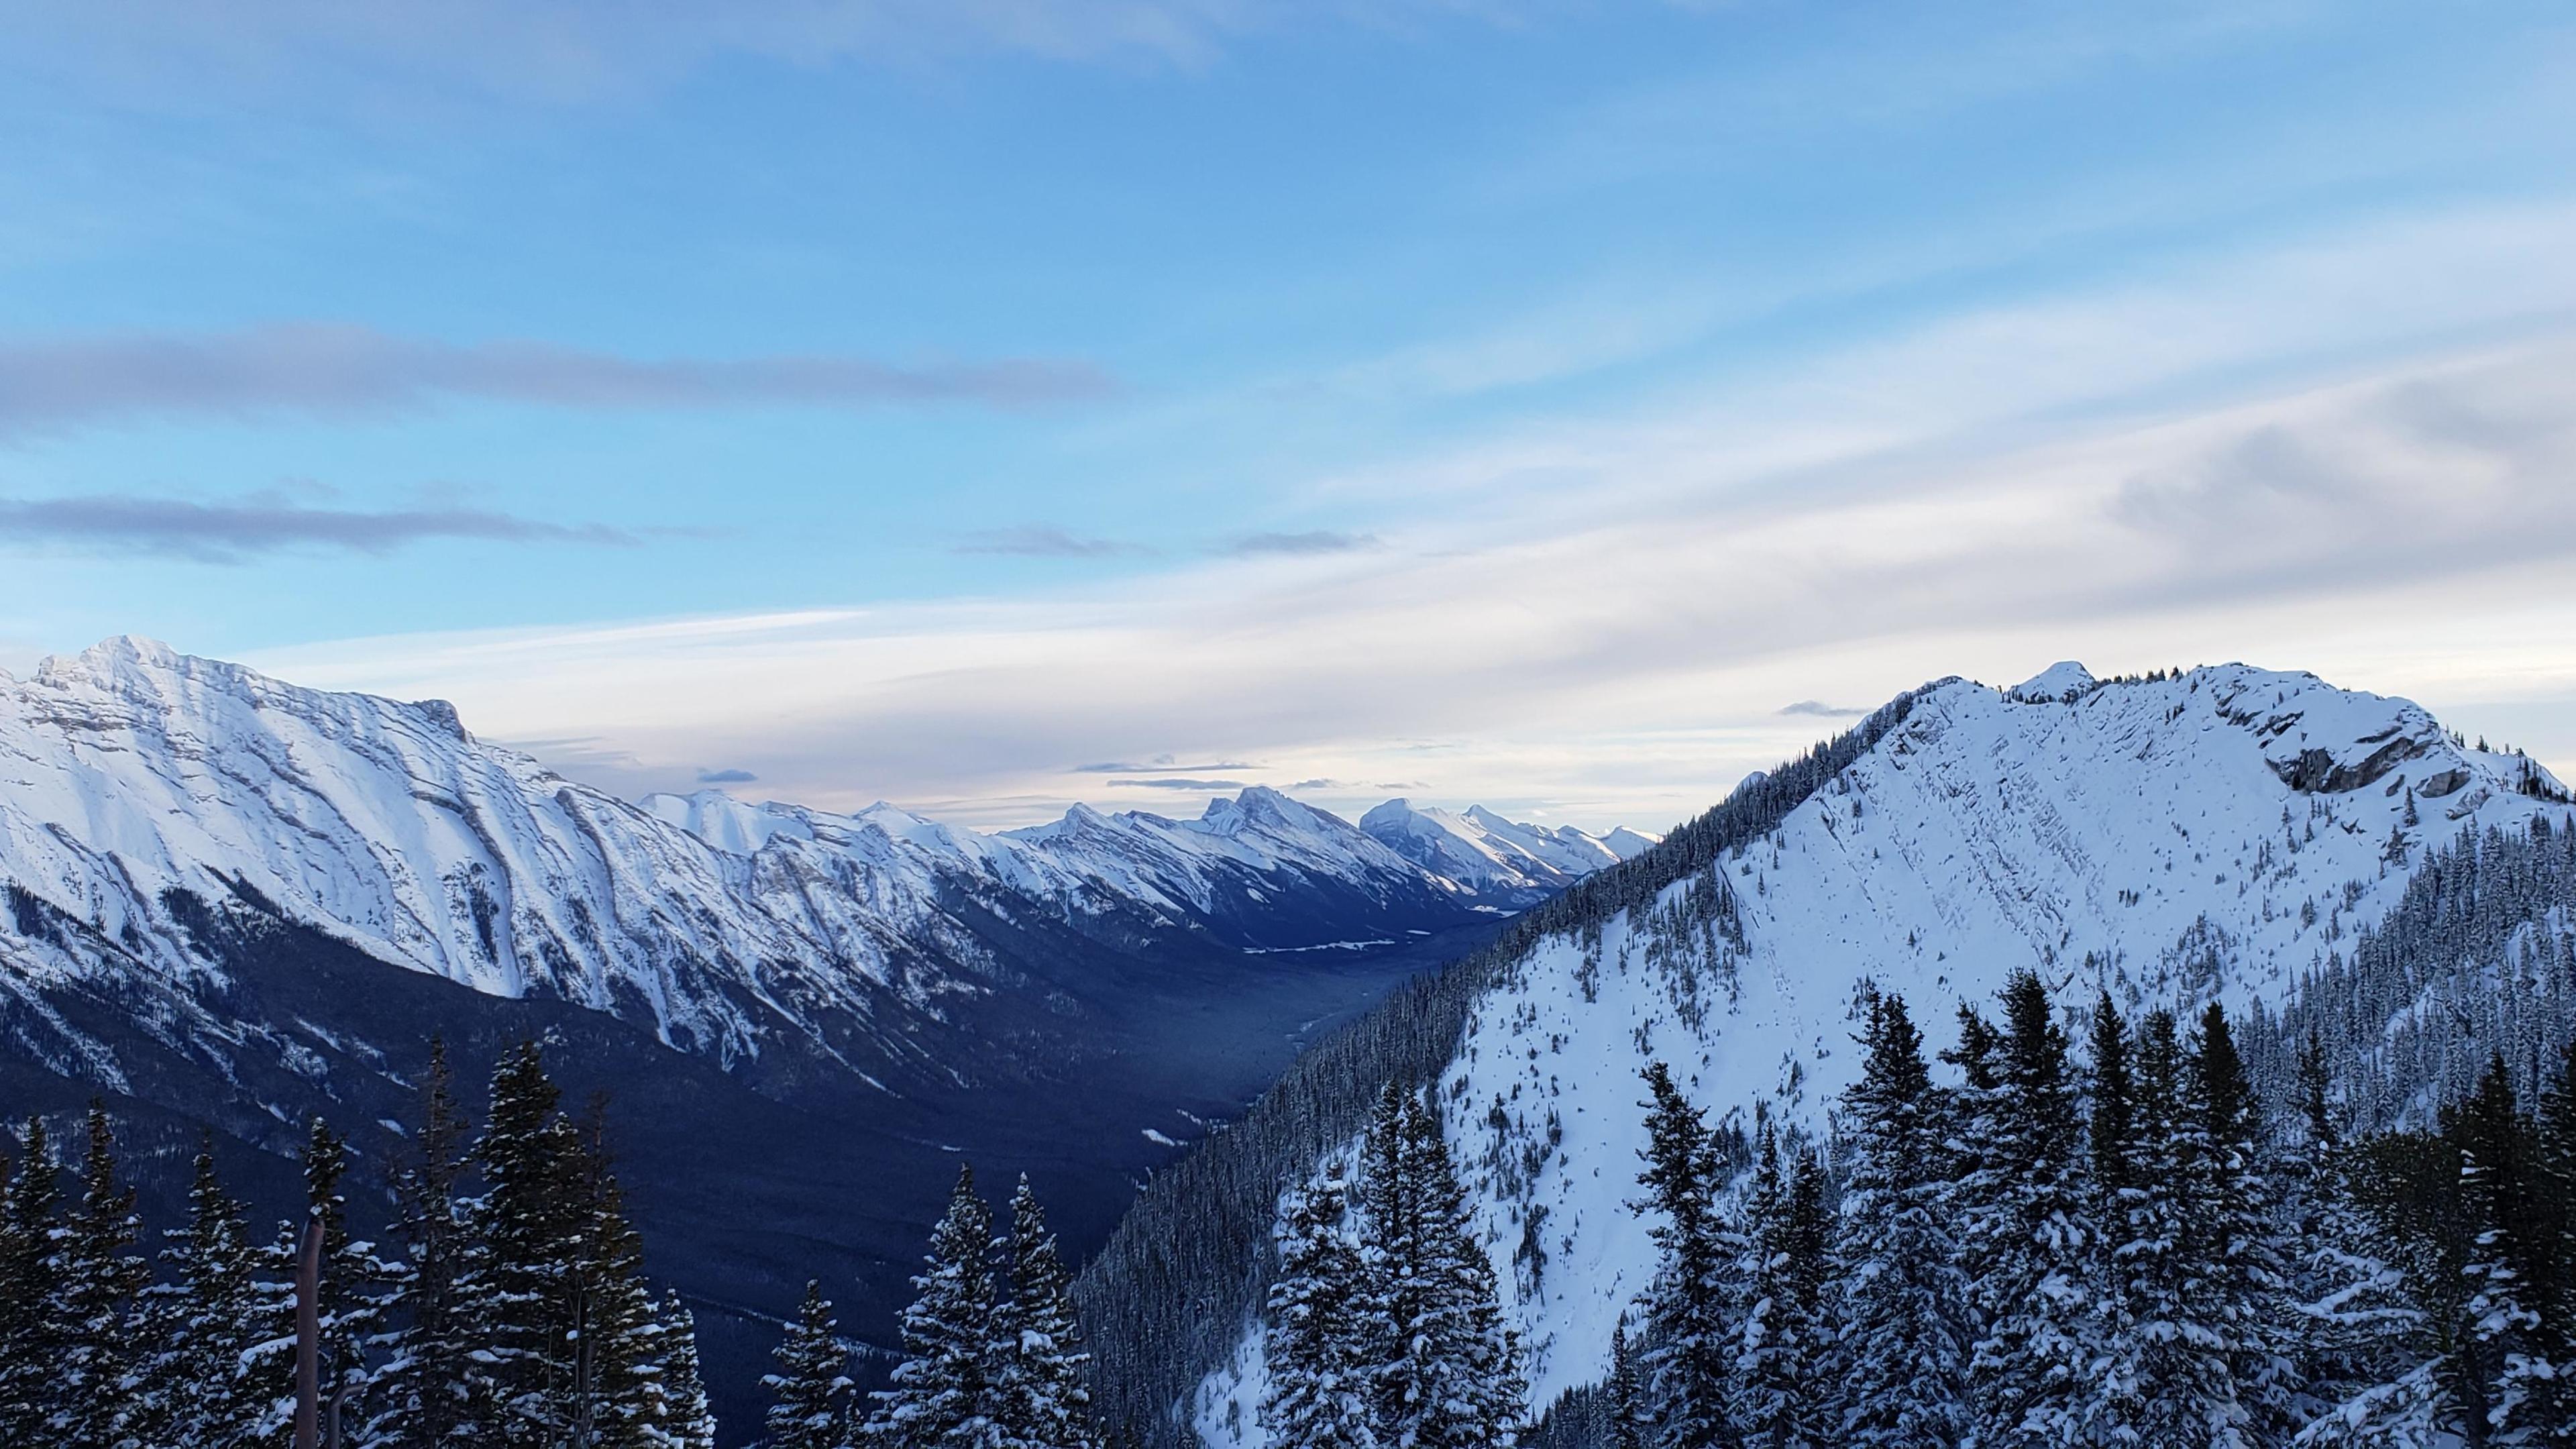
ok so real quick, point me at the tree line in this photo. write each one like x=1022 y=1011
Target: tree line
x=509 y=1310
x=1384 y=1328
x=2117 y=1246
x=993 y=1355
x=1188 y=1264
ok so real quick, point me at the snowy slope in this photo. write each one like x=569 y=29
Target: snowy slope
x=2169 y=840
x=132 y=778
x=1494 y=856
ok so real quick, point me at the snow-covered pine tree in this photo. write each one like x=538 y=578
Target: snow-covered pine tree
x=2366 y=1382
x=1798 y=1271
x=100 y=1275
x=1463 y=1384
x=2154 y=1375
x=200 y=1324
x=1045 y=1394
x=352 y=1306
x=427 y=1395
x=1901 y=1306
x=1689 y=1363
x=30 y=1289
x=2555 y=1166
x=1391 y=1266
x=2508 y=1374
x=809 y=1395
x=618 y=1370
x=2238 y=1290
x=1625 y=1396
x=1317 y=1396
x=528 y=1228
x=687 y=1422
x=1779 y=1348
x=941 y=1397
x=2024 y=1227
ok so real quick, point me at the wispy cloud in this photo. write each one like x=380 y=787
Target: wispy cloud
x=2153 y=474
x=345 y=370
x=1820 y=709
x=572 y=50
x=1040 y=540
x=1165 y=782
x=1319 y=541
x=726 y=777
x=1160 y=764
x=262 y=523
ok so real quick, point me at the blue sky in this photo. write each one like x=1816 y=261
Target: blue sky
x=1503 y=401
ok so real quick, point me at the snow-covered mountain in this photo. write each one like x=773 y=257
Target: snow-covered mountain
x=2171 y=840
x=1493 y=856
x=140 y=788
x=238 y=904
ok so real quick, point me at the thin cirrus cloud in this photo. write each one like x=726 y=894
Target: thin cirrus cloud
x=236 y=530
x=1821 y=710
x=1160 y=765
x=345 y=370
x=563 y=51
x=1041 y=540
x=1167 y=782
x=726 y=777
x=1318 y=541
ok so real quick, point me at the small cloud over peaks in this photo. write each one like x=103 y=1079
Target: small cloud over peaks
x=1822 y=710
x=1176 y=782
x=726 y=777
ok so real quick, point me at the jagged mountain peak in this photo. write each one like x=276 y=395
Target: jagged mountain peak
x=1485 y=851
x=2063 y=681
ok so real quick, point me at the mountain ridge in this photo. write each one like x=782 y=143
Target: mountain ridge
x=2173 y=839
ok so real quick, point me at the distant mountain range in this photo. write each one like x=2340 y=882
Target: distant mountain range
x=236 y=902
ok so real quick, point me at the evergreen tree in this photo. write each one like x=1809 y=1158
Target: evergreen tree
x=1045 y=1395
x=1462 y=1383
x=528 y=1228
x=942 y=1395
x=1781 y=1353
x=1318 y=1391
x=31 y=1330
x=1901 y=1310
x=2237 y=1292
x=427 y=1396
x=99 y=1276
x=2154 y=1373
x=2368 y=1381
x=1690 y=1361
x=810 y=1392
x=619 y=1373
x=1391 y=1262
x=2112 y=1126
x=1626 y=1398
x=201 y=1326
x=351 y=1310
x=2024 y=1229
x=687 y=1422
x=2507 y=1372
